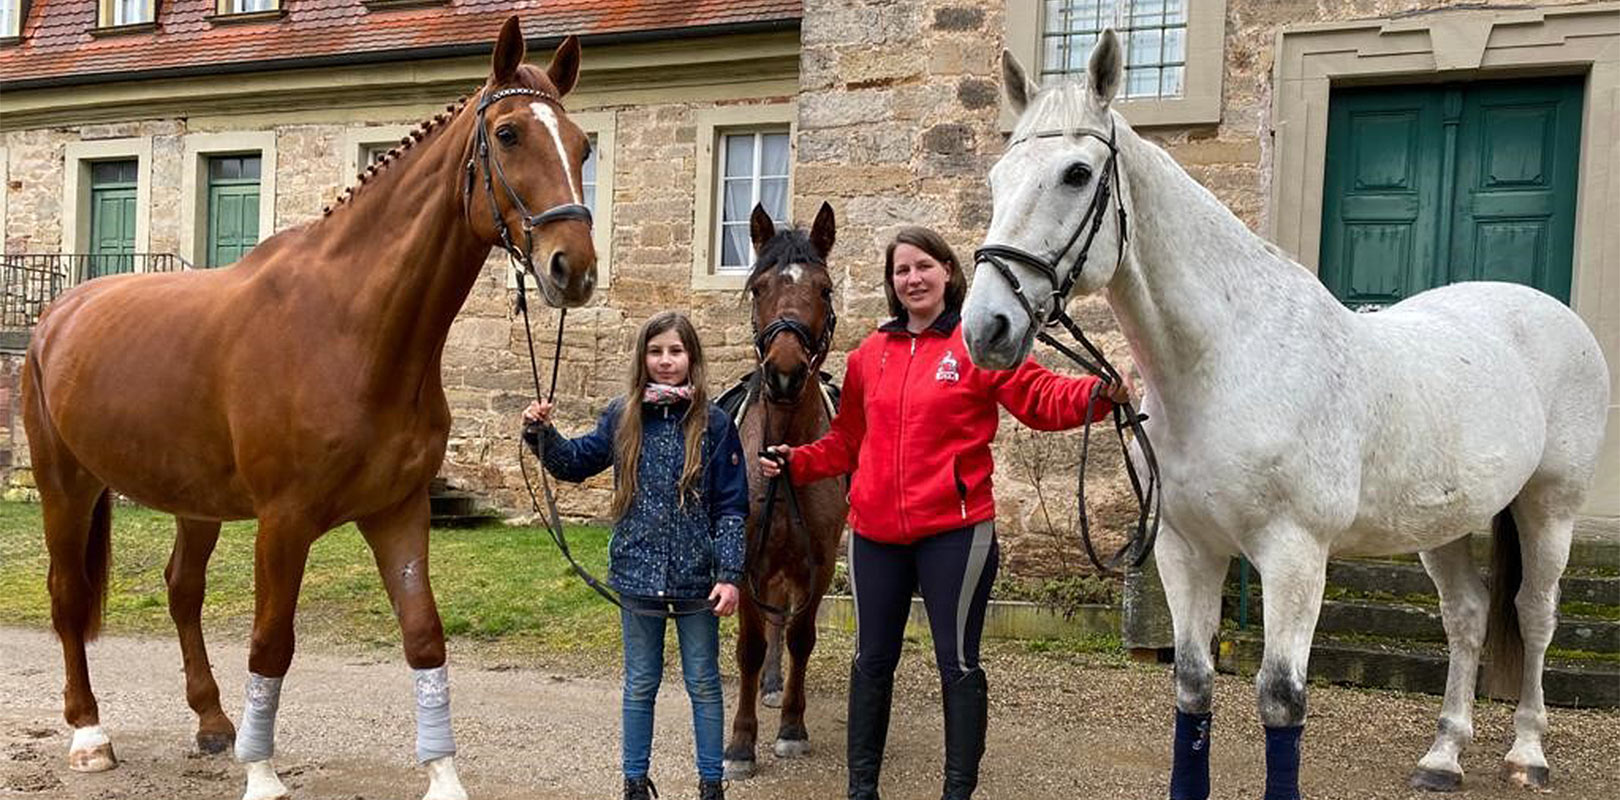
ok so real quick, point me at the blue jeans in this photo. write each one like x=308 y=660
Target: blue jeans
x=699 y=636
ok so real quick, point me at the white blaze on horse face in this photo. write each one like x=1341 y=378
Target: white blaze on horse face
x=548 y=118
x=793 y=272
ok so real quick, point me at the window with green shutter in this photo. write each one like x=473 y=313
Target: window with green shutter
x=233 y=208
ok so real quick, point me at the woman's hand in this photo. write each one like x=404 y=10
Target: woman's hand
x=538 y=411
x=1122 y=392
x=769 y=467
x=724 y=599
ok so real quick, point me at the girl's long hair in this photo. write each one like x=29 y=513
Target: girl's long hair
x=627 y=440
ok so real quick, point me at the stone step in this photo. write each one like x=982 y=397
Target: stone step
x=1413 y=668
x=1404 y=579
x=451 y=508
x=1408 y=621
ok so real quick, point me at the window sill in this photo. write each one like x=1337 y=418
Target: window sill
x=721 y=281
x=246 y=17
x=7 y=41
x=390 y=5
x=124 y=30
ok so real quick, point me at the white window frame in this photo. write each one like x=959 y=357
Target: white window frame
x=1200 y=102
x=110 y=8
x=76 y=160
x=755 y=178
x=13 y=26
x=228 y=7
x=198 y=148
x=713 y=123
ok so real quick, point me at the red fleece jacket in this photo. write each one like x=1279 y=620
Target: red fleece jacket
x=915 y=425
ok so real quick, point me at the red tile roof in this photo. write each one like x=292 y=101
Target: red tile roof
x=57 y=45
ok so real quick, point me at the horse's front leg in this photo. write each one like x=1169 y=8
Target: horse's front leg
x=399 y=540
x=1293 y=568
x=1463 y=604
x=280 y=552
x=793 y=738
x=1192 y=574
x=740 y=762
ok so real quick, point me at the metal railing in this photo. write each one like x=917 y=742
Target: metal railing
x=30 y=281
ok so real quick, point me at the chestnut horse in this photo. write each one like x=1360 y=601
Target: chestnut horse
x=300 y=387
x=791 y=550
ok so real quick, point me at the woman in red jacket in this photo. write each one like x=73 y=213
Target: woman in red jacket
x=914 y=429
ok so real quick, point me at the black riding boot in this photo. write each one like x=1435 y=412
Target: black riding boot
x=711 y=790
x=966 y=716
x=869 y=699
x=639 y=789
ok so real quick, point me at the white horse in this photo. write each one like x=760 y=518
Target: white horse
x=1291 y=430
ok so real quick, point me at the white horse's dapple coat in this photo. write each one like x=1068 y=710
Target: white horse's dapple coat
x=1290 y=429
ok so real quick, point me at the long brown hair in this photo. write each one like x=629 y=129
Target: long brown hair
x=934 y=245
x=627 y=440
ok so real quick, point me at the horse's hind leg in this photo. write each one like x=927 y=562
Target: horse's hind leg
x=1463 y=603
x=1192 y=577
x=770 y=683
x=1546 y=523
x=78 y=536
x=793 y=738
x=186 y=576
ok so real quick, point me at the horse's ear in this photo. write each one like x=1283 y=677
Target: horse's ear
x=823 y=232
x=564 y=68
x=509 y=51
x=761 y=227
x=1020 y=89
x=1106 y=68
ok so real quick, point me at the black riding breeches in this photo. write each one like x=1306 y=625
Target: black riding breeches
x=954 y=571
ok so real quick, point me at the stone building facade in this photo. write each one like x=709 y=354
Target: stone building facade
x=895 y=116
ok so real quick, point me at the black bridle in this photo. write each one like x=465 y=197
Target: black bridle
x=483 y=155
x=1139 y=545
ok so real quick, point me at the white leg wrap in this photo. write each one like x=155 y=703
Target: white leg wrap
x=443 y=784
x=433 y=737
x=88 y=738
x=256 y=738
x=262 y=783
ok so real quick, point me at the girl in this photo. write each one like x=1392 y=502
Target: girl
x=680 y=499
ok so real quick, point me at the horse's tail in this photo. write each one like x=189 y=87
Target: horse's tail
x=97 y=559
x=1504 y=642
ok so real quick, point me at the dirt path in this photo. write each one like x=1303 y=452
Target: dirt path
x=1060 y=727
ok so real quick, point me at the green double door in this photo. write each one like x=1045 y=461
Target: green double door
x=1431 y=185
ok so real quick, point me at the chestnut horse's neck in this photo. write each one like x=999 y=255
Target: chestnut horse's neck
x=401 y=257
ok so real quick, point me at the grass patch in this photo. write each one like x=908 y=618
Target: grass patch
x=1589 y=610
x=491 y=583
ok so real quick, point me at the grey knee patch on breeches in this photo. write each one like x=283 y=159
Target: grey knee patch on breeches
x=256 y=738
x=433 y=736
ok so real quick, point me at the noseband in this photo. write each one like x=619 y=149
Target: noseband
x=1139 y=544
x=485 y=156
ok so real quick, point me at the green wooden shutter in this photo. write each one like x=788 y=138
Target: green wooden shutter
x=233 y=208
x=112 y=218
x=1432 y=185
x=1513 y=215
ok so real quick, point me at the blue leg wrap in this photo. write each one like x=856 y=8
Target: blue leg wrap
x=1282 y=762
x=1189 y=772
x=433 y=736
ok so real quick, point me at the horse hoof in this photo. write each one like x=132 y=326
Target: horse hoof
x=211 y=743
x=1434 y=780
x=1534 y=778
x=93 y=759
x=792 y=748
x=740 y=770
x=772 y=699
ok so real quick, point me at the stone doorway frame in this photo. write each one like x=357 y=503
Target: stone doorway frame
x=1465 y=44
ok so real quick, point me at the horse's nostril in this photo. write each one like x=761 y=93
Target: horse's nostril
x=999 y=326
x=559 y=269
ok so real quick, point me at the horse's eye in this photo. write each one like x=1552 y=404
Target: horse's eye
x=826 y=293
x=1077 y=175
x=507 y=134
x=754 y=291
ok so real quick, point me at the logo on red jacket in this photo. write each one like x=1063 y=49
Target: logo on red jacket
x=947 y=369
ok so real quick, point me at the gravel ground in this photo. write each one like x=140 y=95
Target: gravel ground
x=1061 y=726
